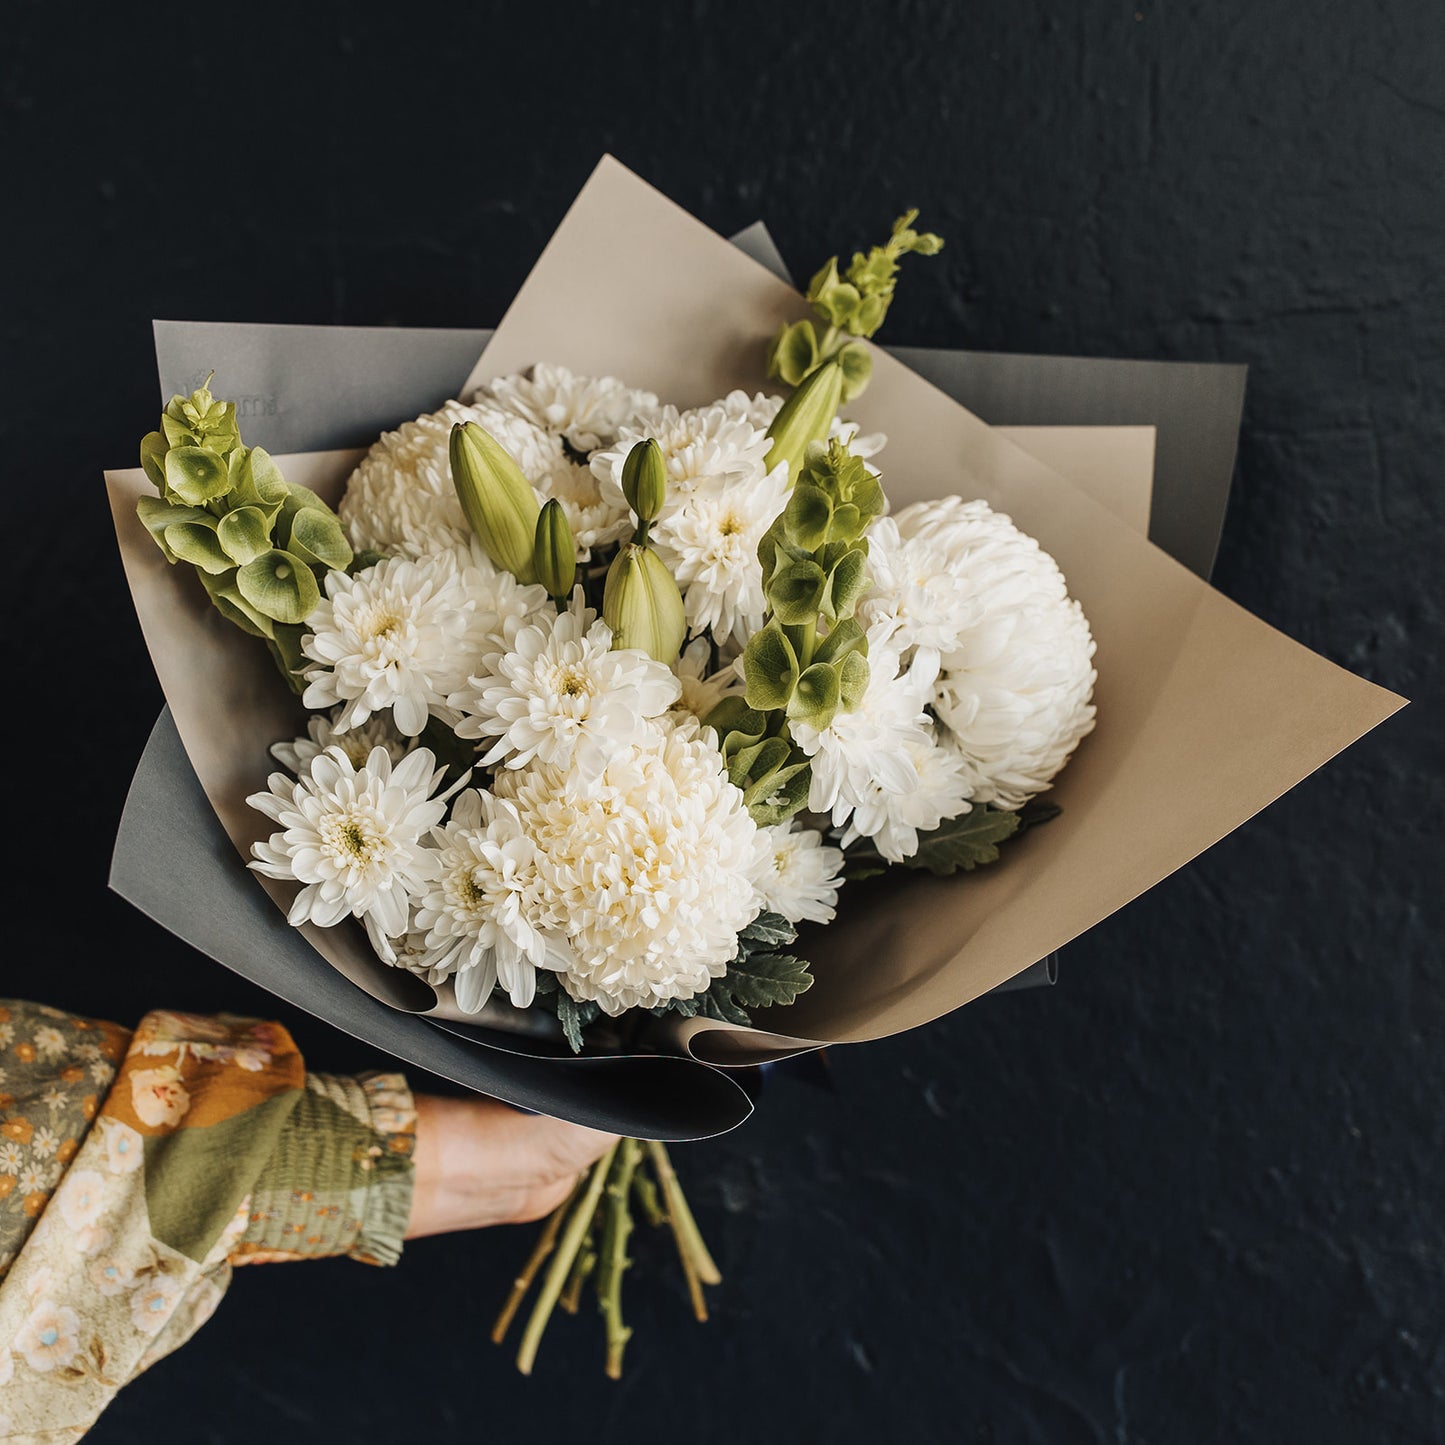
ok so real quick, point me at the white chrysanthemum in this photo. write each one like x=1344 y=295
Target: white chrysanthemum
x=893 y=820
x=562 y=695
x=762 y=407
x=398 y=635
x=702 y=687
x=1015 y=690
x=798 y=873
x=709 y=542
x=646 y=875
x=357 y=743
x=587 y=412
x=400 y=499
x=706 y=444
x=478 y=913
x=353 y=838
x=869 y=748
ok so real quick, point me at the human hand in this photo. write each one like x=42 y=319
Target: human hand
x=479 y=1162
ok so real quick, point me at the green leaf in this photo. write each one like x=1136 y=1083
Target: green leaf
x=767 y=931
x=196 y=475
x=574 y=1017
x=780 y=803
x=964 y=843
x=228 y=601
x=244 y=534
x=280 y=586
x=760 y=761
x=767 y=980
x=770 y=670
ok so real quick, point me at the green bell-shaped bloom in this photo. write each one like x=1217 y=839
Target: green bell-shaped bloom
x=555 y=550
x=770 y=669
x=244 y=534
x=644 y=480
x=196 y=475
x=642 y=605
x=315 y=535
x=816 y=697
x=279 y=586
x=498 y=500
x=794 y=352
x=805 y=417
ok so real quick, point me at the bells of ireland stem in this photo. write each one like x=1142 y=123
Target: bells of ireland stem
x=644 y=480
x=641 y=604
x=555 y=552
x=805 y=417
x=500 y=505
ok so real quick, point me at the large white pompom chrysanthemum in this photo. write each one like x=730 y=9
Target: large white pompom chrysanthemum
x=798 y=873
x=646 y=874
x=353 y=838
x=894 y=819
x=561 y=694
x=400 y=499
x=400 y=635
x=1015 y=686
x=477 y=913
x=587 y=412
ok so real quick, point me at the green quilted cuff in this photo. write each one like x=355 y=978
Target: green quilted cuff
x=340 y=1179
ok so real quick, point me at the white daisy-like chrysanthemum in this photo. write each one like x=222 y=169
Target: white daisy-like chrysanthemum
x=705 y=444
x=798 y=875
x=1015 y=690
x=477 y=914
x=703 y=686
x=867 y=749
x=321 y=733
x=595 y=517
x=561 y=694
x=710 y=545
x=587 y=412
x=645 y=875
x=399 y=635
x=400 y=500
x=354 y=838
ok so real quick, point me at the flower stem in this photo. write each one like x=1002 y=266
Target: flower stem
x=571 y=1295
x=562 y=1260
x=612 y=1261
x=697 y=1264
x=523 y=1281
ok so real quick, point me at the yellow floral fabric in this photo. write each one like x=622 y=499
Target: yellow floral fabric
x=137 y=1168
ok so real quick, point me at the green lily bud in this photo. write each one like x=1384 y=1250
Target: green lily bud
x=644 y=480
x=805 y=417
x=642 y=605
x=554 y=553
x=498 y=500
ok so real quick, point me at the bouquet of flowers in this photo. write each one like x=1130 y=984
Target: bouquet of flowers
x=601 y=695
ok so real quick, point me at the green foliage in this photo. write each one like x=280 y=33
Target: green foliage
x=261 y=547
x=958 y=845
x=852 y=305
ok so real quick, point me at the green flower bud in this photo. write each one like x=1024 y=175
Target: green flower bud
x=642 y=605
x=805 y=417
x=498 y=500
x=644 y=480
x=554 y=554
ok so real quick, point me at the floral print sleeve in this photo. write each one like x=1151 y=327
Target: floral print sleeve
x=137 y=1168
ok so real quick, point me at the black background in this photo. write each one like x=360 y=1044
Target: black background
x=1194 y=1193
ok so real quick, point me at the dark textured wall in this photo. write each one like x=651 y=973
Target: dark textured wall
x=1195 y=1193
